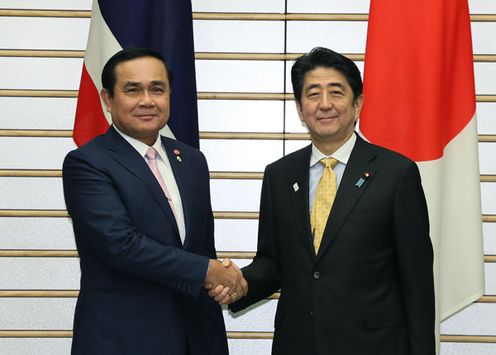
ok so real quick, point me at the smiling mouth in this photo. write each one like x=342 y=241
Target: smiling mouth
x=146 y=116
x=326 y=118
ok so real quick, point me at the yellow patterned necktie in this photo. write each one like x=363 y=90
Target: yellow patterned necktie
x=322 y=203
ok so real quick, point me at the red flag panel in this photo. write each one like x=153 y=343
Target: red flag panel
x=418 y=77
x=90 y=120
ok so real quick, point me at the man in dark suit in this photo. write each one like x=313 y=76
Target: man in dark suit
x=140 y=206
x=364 y=286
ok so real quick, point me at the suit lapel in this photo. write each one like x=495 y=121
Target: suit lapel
x=356 y=178
x=181 y=175
x=298 y=182
x=130 y=159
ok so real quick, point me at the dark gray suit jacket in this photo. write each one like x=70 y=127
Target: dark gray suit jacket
x=370 y=289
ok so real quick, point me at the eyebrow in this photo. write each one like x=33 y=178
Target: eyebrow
x=135 y=83
x=158 y=82
x=336 y=84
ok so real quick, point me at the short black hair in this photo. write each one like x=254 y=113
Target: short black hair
x=108 y=72
x=325 y=58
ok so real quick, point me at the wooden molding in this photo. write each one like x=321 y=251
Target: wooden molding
x=244 y=335
x=218 y=175
x=233 y=16
x=38 y=53
x=201 y=95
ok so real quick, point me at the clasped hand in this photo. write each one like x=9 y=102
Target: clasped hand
x=225 y=281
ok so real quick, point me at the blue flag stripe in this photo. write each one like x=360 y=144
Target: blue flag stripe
x=167 y=27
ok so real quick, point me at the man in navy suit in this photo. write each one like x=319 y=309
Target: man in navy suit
x=143 y=223
x=367 y=287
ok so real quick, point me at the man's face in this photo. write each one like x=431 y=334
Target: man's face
x=327 y=107
x=140 y=106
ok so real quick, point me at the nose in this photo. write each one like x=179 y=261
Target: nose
x=146 y=99
x=325 y=102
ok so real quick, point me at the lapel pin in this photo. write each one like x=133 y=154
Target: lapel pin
x=296 y=187
x=177 y=153
x=364 y=177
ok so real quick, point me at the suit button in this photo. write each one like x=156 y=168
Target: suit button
x=316 y=275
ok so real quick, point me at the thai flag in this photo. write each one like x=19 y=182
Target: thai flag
x=420 y=101
x=162 y=25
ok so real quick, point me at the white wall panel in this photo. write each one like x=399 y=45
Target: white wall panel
x=40 y=73
x=39 y=273
x=236 y=234
x=291 y=146
x=239 y=76
x=239 y=36
x=240 y=116
x=489 y=230
x=467 y=349
x=487 y=152
x=292 y=122
x=43 y=32
x=350 y=36
x=47 y=4
x=488 y=191
x=31 y=193
x=238 y=5
x=483 y=36
x=486 y=117
x=481 y=6
x=259 y=317
x=490 y=274
x=240 y=155
x=485 y=78
x=340 y=36
x=37 y=113
x=242 y=262
x=35 y=346
x=36 y=233
x=326 y=6
x=36 y=313
x=462 y=322
x=250 y=347
x=235 y=195
x=34 y=153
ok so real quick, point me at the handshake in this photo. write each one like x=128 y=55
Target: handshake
x=225 y=281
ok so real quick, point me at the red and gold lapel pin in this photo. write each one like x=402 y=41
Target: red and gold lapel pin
x=177 y=153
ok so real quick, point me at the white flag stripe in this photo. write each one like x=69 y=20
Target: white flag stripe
x=102 y=44
x=452 y=188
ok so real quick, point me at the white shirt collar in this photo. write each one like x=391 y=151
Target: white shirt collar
x=342 y=154
x=141 y=147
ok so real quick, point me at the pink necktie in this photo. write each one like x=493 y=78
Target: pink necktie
x=151 y=158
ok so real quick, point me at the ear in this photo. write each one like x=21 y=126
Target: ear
x=358 y=106
x=107 y=100
x=298 y=109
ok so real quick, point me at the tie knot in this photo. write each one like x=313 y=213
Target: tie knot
x=151 y=154
x=329 y=162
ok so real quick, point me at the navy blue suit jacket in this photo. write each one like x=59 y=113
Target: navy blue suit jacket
x=141 y=289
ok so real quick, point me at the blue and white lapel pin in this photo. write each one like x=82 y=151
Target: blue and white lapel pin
x=363 y=178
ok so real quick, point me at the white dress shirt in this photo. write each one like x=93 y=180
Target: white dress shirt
x=165 y=170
